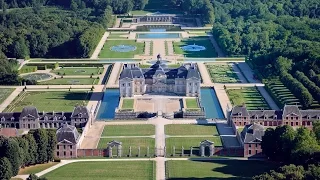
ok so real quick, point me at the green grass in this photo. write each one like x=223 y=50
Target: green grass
x=201 y=41
x=49 y=101
x=117 y=36
x=127 y=103
x=4 y=93
x=219 y=169
x=251 y=97
x=36 y=168
x=187 y=142
x=192 y=103
x=71 y=81
x=78 y=71
x=107 y=53
x=190 y=129
x=140 y=12
x=222 y=73
x=129 y=130
x=143 y=143
x=140 y=170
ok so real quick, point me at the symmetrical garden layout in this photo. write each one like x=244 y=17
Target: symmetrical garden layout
x=158 y=147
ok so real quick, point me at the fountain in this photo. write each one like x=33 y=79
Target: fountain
x=123 y=48
x=193 y=48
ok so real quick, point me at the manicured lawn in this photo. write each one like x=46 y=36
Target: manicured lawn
x=187 y=142
x=200 y=41
x=139 y=12
x=251 y=97
x=190 y=129
x=140 y=170
x=71 y=81
x=129 y=130
x=117 y=36
x=192 y=103
x=4 y=93
x=219 y=169
x=78 y=71
x=222 y=73
x=135 y=143
x=50 y=100
x=107 y=53
x=36 y=168
x=127 y=103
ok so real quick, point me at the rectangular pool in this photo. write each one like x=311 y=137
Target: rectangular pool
x=210 y=102
x=157 y=35
x=109 y=104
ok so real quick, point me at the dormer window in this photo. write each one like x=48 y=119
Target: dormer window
x=275 y=117
x=265 y=117
x=256 y=116
x=318 y=117
x=3 y=119
x=64 y=118
x=80 y=115
x=46 y=118
x=308 y=117
x=55 y=118
x=12 y=118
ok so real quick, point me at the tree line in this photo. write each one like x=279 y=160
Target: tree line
x=36 y=147
x=265 y=30
x=298 y=149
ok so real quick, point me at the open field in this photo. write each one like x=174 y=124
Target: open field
x=49 y=101
x=127 y=104
x=219 y=169
x=134 y=143
x=36 y=168
x=129 y=130
x=4 y=93
x=222 y=73
x=192 y=103
x=107 y=53
x=200 y=41
x=190 y=129
x=78 y=71
x=140 y=170
x=251 y=97
x=71 y=81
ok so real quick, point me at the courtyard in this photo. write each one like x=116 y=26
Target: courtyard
x=128 y=130
x=106 y=51
x=49 y=101
x=124 y=170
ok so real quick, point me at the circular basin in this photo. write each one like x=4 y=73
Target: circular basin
x=123 y=48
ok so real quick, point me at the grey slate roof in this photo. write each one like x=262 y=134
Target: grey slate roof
x=268 y=114
x=312 y=114
x=7 y=116
x=80 y=112
x=252 y=133
x=29 y=111
x=68 y=133
x=239 y=111
x=185 y=71
x=291 y=110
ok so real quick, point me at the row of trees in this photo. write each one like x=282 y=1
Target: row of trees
x=291 y=171
x=265 y=30
x=203 y=8
x=300 y=147
x=36 y=147
x=311 y=86
x=314 y=77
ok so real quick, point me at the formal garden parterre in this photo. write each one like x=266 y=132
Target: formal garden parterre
x=106 y=51
x=62 y=101
x=249 y=96
x=209 y=51
x=222 y=73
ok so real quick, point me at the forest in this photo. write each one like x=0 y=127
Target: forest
x=36 y=147
x=272 y=34
x=57 y=28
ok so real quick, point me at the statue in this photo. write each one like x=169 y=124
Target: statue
x=158 y=57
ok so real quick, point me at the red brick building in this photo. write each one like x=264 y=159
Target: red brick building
x=67 y=138
x=290 y=115
x=251 y=138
